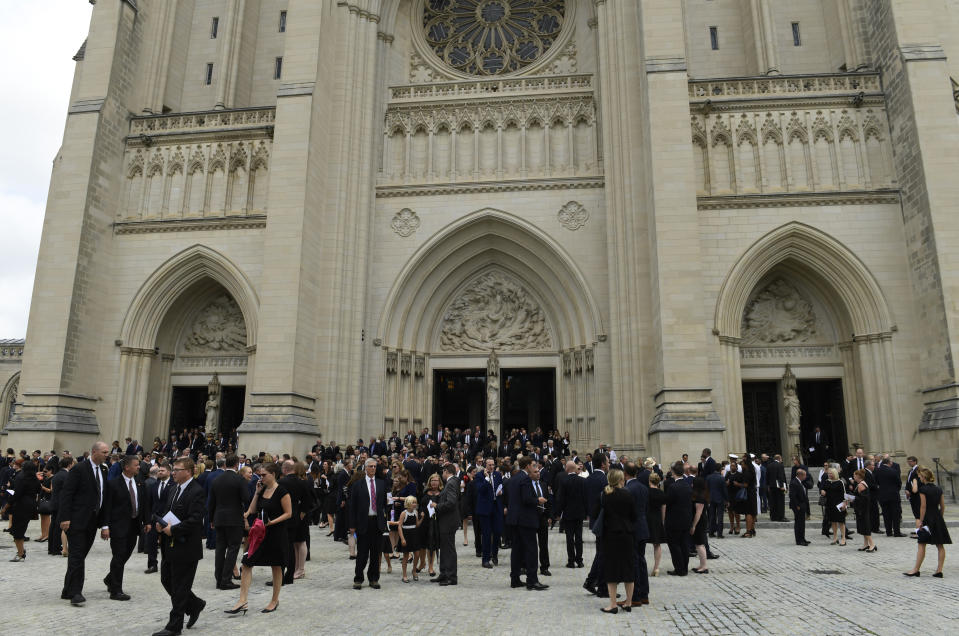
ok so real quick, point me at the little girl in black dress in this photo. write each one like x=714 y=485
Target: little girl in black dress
x=409 y=535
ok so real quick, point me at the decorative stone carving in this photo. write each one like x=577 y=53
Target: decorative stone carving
x=218 y=328
x=405 y=364
x=405 y=222
x=492 y=388
x=495 y=312
x=420 y=71
x=565 y=64
x=391 y=362
x=419 y=366
x=791 y=402
x=213 y=406
x=573 y=216
x=567 y=363
x=779 y=314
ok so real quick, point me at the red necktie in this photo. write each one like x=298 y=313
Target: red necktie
x=133 y=499
x=372 y=495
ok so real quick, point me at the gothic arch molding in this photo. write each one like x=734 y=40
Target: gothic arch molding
x=862 y=307
x=8 y=397
x=163 y=288
x=483 y=240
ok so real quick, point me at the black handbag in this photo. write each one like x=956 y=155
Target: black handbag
x=741 y=495
x=45 y=508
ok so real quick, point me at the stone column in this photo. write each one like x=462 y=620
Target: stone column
x=229 y=56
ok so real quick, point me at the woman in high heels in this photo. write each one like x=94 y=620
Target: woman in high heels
x=930 y=526
x=272 y=504
x=861 y=506
x=22 y=505
x=654 y=519
x=835 y=494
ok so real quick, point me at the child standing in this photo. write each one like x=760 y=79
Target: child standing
x=409 y=532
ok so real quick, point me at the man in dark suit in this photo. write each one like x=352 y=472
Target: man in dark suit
x=539 y=477
x=640 y=493
x=707 y=465
x=126 y=510
x=157 y=496
x=889 y=482
x=80 y=513
x=523 y=516
x=341 y=523
x=594 y=490
x=228 y=501
x=489 y=511
x=208 y=478
x=798 y=502
x=718 y=495
x=367 y=512
x=679 y=497
x=818 y=447
x=447 y=511
x=181 y=547
x=912 y=477
x=571 y=507
x=776 y=485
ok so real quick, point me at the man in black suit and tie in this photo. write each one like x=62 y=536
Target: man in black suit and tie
x=80 y=512
x=538 y=475
x=798 y=502
x=447 y=510
x=707 y=465
x=126 y=510
x=889 y=482
x=523 y=516
x=913 y=478
x=594 y=490
x=368 y=521
x=679 y=516
x=818 y=448
x=228 y=500
x=640 y=493
x=571 y=507
x=157 y=496
x=776 y=484
x=181 y=547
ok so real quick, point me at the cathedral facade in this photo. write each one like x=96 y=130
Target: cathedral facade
x=658 y=224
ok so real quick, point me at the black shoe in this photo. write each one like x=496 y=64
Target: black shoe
x=196 y=615
x=545 y=572
x=166 y=632
x=119 y=596
x=937 y=575
x=357 y=586
x=571 y=565
x=495 y=560
x=375 y=585
x=151 y=570
x=65 y=596
x=899 y=535
x=228 y=586
x=579 y=564
x=589 y=588
x=712 y=556
x=439 y=579
x=446 y=582
x=538 y=587
x=517 y=583
x=675 y=573
x=106 y=581
x=352 y=558
x=77 y=599
x=487 y=565
x=270 y=583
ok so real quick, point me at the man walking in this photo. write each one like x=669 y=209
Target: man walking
x=571 y=507
x=181 y=547
x=679 y=498
x=798 y=502
x=889 y=481
x=776 y=486
x=368 y=522
x=594 y=489
x=80 y=513
x=448 y=520
x=125 y=506
x=229 y=499
x=542 y=530
x=157 y=496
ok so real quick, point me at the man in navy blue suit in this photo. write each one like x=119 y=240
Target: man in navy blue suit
x=523 y=515
x=640 y=493
x=489 y=510
x=594 y=490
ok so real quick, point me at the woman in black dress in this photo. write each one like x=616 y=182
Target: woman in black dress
x=429 y=530
x=698 y=529
x=745 y=480
x=22 y=505
x=932 y=509
x=862 y=505
x=835 y=494
x=618 y=540
x=272 y=504
x=654 y=519
x=43 y=501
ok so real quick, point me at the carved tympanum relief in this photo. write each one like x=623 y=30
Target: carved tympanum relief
x=495 y=312
x=573 y=215
x=779 y=314
x=218 y=328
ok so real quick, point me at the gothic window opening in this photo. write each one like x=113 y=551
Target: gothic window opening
x=714 y=38
x=208 y=78
x=797 y=40
x=214 y=28
x=282 y=21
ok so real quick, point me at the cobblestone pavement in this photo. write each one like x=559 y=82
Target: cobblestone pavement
x=765 y=584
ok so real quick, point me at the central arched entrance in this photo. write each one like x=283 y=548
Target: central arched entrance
x=490 y=323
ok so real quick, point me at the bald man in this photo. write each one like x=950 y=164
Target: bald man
x=80 y=516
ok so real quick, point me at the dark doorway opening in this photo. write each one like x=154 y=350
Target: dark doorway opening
x=821 y=404
x=188 y=409
x=761 y=415
x=529 y=400
x=231 y=410
x=459 y=399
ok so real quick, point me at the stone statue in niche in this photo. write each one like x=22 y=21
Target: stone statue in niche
x=791 y=402
x=213 y=406
x=779 y=314
x=495 y=312
x=492 y=388
x=218 y=328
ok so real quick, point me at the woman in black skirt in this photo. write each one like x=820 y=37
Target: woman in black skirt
x=618 y=540
x=22 y=505
x=862 y=506
x=930 y=526
x=745 y=479
x=698 y=529
x=835 y=494
x=272 y=504
x=429 y=530
x=654 y=519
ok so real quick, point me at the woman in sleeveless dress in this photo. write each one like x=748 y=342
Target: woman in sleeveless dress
x=931 y=525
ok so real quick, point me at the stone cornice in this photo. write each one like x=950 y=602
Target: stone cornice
x=252 y=222
x=474 y=187
x=797 y=199
x=922 y=52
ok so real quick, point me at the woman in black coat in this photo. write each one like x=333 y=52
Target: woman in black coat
x=835 y=494
x=23 y=505
x=618 y=540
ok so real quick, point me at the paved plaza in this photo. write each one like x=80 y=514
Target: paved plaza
x=761 y=585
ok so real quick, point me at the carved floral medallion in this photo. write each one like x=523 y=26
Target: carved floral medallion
x=218 y=328
x=573 y=216
x=405 y=222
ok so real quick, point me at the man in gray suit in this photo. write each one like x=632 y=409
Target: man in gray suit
x=448 y=519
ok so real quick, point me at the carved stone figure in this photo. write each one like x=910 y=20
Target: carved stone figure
x=779 y=314
x=791 y=402
x=495 y=312
x=492 y=388
x=212 y=410
x=218 y=328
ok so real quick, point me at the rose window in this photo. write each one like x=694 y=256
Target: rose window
x=492 y=37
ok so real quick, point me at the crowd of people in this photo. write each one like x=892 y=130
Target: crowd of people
x=406 y=499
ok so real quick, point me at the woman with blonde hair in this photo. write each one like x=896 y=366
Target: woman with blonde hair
x=618 y=540
x=861 y=505
x=835 y=493
x=655 y=517
x=429 y=530
x=930 y=526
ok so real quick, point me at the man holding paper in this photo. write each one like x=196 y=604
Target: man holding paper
x=181 y=546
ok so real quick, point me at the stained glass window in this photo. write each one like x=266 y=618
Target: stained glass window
x=492 y=37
